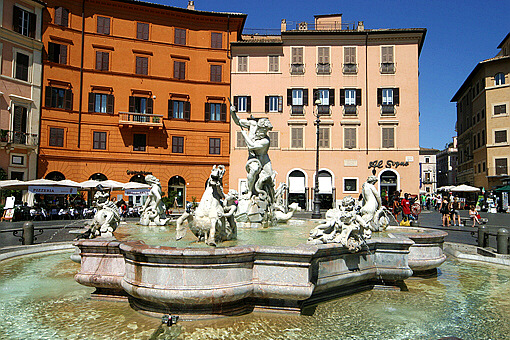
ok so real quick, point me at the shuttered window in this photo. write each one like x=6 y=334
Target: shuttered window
x=180 y=36
x=349 y=138
x=242 y=64
x=142 y=65
x=99 y=142
x=216 y=73
x=102 y=103
x=139 y=142
x=142 y=31
x=214 y=146
x=297 y=65
x=216 y=40
x=103 y=25
x=178 y=109
x=179 y=70
x=350 y=65
x=296 y=134
x=243 y=103
x=56 y=137
x=500 y=136
x=273 y=137
x=273 y=104
x=62 y=16
x=58 y=98
x=387 y=62
x=215 y=112
x=241 y=142
x=388 y=137
x=57 y=53
x=102 y=61
x=274 y=63
x=22 y=65
x=324 y=134
x=177 y=144
x=500 y=109
x=323 y=65
x=501 y=166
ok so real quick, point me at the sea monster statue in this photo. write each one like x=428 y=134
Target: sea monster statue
x=153 y=210
x=107 y=217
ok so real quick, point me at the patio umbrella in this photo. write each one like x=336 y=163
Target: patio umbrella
x=90 y=184
x=464 y=188
x=10 y=184
x=505 y=188
x=136 y=185
x=446 y=188
x=114 y=185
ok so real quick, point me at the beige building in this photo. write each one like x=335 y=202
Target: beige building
x=364 y=85
x=483 y=122
x=20 y=86
x=428 y=173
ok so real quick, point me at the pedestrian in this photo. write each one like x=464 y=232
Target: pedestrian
x=455 y=211
x=396 y=208
x=473 y=214
x=438 y=202
x=406 y=207
x=443 y=209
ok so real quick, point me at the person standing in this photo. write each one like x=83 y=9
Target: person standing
x=455 y=212
x=396 y=208
x=406 y=207
x=443 y=209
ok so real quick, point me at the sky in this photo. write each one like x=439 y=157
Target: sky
x=459 y=35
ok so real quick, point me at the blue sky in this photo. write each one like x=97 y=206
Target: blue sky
x=460 y=34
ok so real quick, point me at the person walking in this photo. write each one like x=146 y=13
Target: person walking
x=396 y=208
x=406 y=207
x=445 y=212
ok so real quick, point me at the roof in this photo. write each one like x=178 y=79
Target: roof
x=477 y=68
x=503 y=41
x=255 y=39
x=328 y=15
x=428 y=151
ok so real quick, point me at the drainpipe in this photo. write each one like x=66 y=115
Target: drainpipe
x=38 y=146
x=229 y=56
x=366 y=90
x=81 y=70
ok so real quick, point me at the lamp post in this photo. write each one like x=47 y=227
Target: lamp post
x=316 y=214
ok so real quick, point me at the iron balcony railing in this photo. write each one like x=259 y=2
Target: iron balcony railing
x=297 y=68
x=323 y=68
x=297 y=110
x=350 y=110
x=141 y=119
x=17 y=137
x=350 y=68
x=387 y=68
x=387 y=110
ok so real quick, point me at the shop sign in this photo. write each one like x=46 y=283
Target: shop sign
x=378 y=164
x=137 y=192
x=135 y=172
x=47 y=190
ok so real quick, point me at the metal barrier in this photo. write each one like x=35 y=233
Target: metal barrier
x=502 y=239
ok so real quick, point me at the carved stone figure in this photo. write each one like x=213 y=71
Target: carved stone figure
x=107 y=217
x=282 y=217
x=256 y=202
x=211 y=221
x=153 y=210
x=372 y=211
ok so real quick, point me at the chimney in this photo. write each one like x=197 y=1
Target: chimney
x=284 y=25
x=191 y=5
x=361 y=26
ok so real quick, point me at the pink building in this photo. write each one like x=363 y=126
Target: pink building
x=364 y=85
x=20 y=86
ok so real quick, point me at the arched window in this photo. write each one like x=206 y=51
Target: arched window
x=499 y=79
x=98 y=177
x=138 y=179
x=55 y=176
x=177 y=189
x=297 y=188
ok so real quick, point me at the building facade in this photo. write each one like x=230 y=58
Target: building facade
x=363 y=83
x=446 y=163
x=20 y=86
x=483 y=123
x=428 y=173
x=132 y=88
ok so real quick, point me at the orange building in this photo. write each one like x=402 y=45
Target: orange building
x=132 y=87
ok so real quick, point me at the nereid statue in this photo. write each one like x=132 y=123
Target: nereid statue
x=351 y=224
x=153 y=210
x=107 y=217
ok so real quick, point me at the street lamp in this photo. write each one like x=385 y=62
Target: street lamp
x=316 y=214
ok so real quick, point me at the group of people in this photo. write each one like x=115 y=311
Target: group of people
x=401 y=206
x=450 y=207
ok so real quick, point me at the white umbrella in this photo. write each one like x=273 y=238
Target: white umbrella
x=464 y=188
x=114 y=185
x=136 y=185
x=90 y=184
x=446 y=188
x=69 y=183
x=10 y=183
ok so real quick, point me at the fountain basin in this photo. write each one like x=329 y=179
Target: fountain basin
x=237 y=280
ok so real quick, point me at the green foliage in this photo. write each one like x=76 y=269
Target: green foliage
x=169 y=200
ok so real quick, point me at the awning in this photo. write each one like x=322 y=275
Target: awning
x=325 y=185
x=464 y=188
x=297 y=185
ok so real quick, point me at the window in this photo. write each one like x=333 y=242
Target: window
x=180 y=36
x=142 y=31
x=326 y=97
x=500 y=109
x=243 y=103
x=388 y=137
x=427 y=159
x=19 y=125
x=350 y=98
x=62 y=16
x=23 y=22
x=216 y=112
x=387 y=99
x=479 y=167
x=103 y=25
x=324 y=137
x=274 y=104
x=242 y=64
x=350 y=138
x=177 y=144
x=274 y=63
x=501 y=166
x=296 y=134
x=273 y=138
x=179 y=70
x=179 y=109
x=56 y=137
x=142 y=65
x=297 y=98
x=102 y=61
x=350 y=185
x=216 y=73
x=350 y=65
x=214 y=146
x=323 y=64
x=387 y=62
x=483 y=167
x=22 y=64
x=297 y=66
x=139 y=142
x=499 y=79
x=140 y=105
x=216 y=40
x=99 y=140
x=241 y=142
x=59 y=98
x=57 y=53
x=500 y=136
x=99 y=102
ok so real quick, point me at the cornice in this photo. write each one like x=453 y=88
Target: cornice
x=20 y=39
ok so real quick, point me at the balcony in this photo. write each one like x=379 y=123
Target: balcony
x=350 y=69
x=323 y=68
x=17 y=137
x=387 y=68
x=350 y=110
x=387 y=110
x=297 y=110
x=297 y=68
x=323 y=110
x=131 y=119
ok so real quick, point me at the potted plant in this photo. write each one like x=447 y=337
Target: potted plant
x=4 y=135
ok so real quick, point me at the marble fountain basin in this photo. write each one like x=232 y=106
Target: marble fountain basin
x=242 y=278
